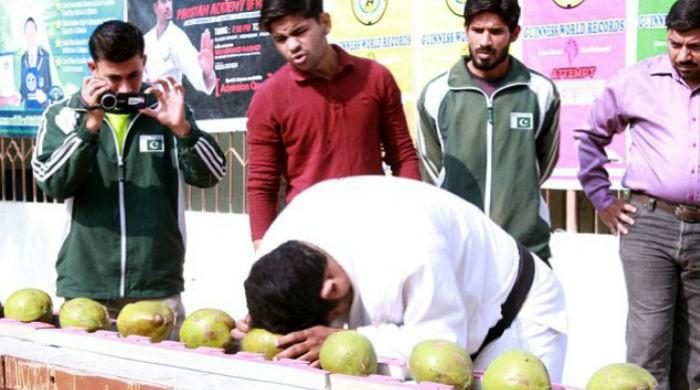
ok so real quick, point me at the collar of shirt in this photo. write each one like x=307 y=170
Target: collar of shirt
x=664 y=67
x=459 y=76
x=165 y=32
x=345 y=63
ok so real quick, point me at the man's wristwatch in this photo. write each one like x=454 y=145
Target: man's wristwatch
x=88 y=107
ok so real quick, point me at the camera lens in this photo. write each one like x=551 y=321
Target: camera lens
x=108 y=101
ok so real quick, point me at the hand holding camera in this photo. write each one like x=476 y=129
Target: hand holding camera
x=93 y=88
x=170 y=111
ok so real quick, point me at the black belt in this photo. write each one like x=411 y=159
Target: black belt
x=511 y=307
x=684 y=212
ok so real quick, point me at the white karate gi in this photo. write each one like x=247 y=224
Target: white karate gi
x=424 y=264
x=173 y=55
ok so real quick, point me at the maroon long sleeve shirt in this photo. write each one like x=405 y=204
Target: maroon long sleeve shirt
x=310 y=129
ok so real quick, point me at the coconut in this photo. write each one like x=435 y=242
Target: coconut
x=516 y=370
x=151 y=319
x=207 y=328
x=261 y=341
x=441 y=361
x=348 y=352
x=84 y=313
x=622 y=376
x=29 y=304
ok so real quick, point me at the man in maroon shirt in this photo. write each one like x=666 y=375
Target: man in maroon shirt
x=325 y=114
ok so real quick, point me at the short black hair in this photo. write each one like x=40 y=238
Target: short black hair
x=684 y=15
x=116 y=41
x=274 y=10
x=283 y=289
x=507 y=10
x=29 y=20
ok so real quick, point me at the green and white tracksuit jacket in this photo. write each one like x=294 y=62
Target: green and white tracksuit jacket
x=127 y=232
x=494 y=151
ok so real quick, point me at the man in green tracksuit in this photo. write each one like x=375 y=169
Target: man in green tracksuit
x=489 y=127
x=121 y=174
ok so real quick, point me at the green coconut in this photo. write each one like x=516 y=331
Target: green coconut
x=621 y=376
x=84 y=313
x=151 y=319
x=207 y=328
x=348 y=352
x=516 y=370
x=441 y=361
x=261 y=341
x=28 y=305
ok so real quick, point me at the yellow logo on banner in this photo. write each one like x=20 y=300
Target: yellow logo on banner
x=369 y=11
x=456 y=6
x=568 y=3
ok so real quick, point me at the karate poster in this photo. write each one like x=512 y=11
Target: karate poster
x=43 y=55
x=578 y=44
x=216 y=48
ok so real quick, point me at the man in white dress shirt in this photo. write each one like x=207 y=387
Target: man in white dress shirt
x=401 y=261
x=170 y=52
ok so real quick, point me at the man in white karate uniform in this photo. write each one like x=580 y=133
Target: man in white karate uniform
x=401 y=261
x=170 y=52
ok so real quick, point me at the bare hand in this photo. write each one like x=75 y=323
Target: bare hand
x=305 y=344
x=618 y=216
x=93 y=88
x=170 y=111
x=206 y=54
x=241 y=329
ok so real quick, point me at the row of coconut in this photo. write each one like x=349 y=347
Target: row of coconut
x=345 y=352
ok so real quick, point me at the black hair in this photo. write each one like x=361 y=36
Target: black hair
x=684 y=15
x=507 y=10
x=283 y=289
x=116 y=41
x=29 y=20
x=274 y=10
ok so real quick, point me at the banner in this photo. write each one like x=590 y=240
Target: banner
x=216 y=48
x=651 y=28
x=578 y=44
x=381 y=30
x=442 y=39
x=43 y=55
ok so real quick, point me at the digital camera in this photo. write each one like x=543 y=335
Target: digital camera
x=123 y=102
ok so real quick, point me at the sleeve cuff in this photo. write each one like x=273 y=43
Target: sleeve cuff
x=602 y=200
x=86 y=135
x=188 y=142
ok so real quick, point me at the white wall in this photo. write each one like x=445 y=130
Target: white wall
x=589 y=268
x=220 y=254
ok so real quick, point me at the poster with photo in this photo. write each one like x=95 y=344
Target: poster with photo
x=43 y=56
x=217 y=50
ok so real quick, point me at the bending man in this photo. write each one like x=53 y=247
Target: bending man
x=402 y=261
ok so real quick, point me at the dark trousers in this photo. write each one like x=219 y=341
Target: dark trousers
x=661 y=261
